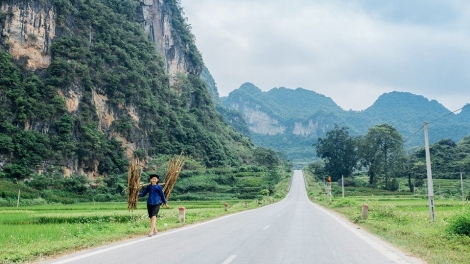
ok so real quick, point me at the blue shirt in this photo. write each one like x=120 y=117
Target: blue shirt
x=156 y=195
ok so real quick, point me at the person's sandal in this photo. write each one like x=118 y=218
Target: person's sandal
x=149 y=235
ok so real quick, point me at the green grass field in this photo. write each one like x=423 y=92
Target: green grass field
x=32 y=233
x=403 y=219
x=35 y=232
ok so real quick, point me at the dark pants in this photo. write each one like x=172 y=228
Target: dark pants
x=153 y=209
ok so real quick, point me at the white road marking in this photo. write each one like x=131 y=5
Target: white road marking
x=382 y=249
x=227 y=261
x=266 y=227
x=180 y=229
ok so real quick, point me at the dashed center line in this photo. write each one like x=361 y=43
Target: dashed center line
x=227 y=261
x=266 y=227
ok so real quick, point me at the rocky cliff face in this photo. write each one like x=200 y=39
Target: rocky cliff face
x=29 y=27
x=259 y=121
x=309 y=129
x=272 y=114
x=156 y=19
x=262 y=123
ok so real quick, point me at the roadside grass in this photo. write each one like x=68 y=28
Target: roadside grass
x=403 y=220
x=34 y=233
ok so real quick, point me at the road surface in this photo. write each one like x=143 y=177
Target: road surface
x=293 y=230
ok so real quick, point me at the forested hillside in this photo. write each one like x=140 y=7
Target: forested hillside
x=291 y=121
x=107 y=95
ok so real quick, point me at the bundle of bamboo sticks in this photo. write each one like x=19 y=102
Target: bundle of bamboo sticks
x=133 y=185
x=174 y=167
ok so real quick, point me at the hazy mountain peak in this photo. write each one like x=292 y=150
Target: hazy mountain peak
x=290 y=120
x=249 y=88
x=465 y=111
x=393 y=101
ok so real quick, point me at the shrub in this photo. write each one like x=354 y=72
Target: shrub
x=264 y=192
x=460 y=224
x=345 y=203
x=348 y=181
x=387 y=211
x=393 y=185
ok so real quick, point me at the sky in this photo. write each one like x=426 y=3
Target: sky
x=352 y=51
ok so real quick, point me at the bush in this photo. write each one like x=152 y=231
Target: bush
x=345 y=202
x=460 y=224
x=348 y=181
x=393 y=185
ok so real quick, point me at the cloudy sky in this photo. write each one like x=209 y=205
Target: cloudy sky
x=349 y=50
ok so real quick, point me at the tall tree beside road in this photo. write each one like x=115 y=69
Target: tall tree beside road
x=339 y=152
x=381 y=152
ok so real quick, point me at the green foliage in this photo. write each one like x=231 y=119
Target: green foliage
x=460 y=224
x=185 y=38
x=265 y=157
x=448 y=159
x=291 y=108
x=382 y=154
x=264 y=192
x=31 y=233
x=2 y=16
x=101 y=51
x=345 y=202
x=317 y=168
x=244 y=182
x=338 y=151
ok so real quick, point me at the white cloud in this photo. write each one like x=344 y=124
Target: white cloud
x=350 y=51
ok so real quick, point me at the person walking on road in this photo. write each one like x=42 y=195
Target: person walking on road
x=154 y=201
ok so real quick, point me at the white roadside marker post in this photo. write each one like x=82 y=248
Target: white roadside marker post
x=365 y=210
x=181 y=214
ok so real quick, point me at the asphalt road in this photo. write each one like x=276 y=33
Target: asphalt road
x=293 y=230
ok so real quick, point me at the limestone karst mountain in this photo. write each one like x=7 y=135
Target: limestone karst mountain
x=290 y=120
x=86 y=86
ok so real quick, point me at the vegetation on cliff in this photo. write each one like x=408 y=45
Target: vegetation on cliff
x=101 y=51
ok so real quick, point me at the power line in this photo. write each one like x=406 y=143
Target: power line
x=435 y=121
x=448 y=114
x=413 y=134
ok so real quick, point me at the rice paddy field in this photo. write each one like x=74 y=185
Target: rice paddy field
x=34 y=233
x=403 y=219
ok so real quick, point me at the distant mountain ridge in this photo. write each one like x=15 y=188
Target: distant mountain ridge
x=291 y=120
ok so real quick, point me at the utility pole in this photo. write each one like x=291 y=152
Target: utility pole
x=18 y=201
x=461 y=185
x=328 y=180
x=429 y=174
x=342 y=184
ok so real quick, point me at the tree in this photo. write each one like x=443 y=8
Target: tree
x=381 y=152
x=338 y=151
x=266 y=157
x=317 y=168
